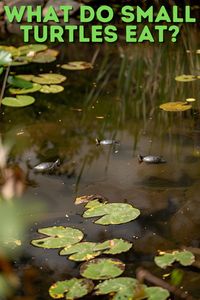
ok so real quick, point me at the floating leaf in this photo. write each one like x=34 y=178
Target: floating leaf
x=185 y=78
x=71 y=289
x=43 y=58
x=86 y=199
x=51 y=89
x=77 y=65
x=19 y=101
x=156 y=293
x=5 y=58
x=102 y=268
x=27 y=77
x=49 y=78
x=190 y=99
x=166 y=259
x=12 y=50
x=112 y=213
x=36 y=87
x=58 y=237
x=124 y=288
x=16 y=63
x=176 y=106
x=20 y=83
x=24 y=50
x=88 y=250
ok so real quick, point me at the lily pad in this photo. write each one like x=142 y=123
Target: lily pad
x=12 y=50
x=27 y=77
x=19 y=101
x=124 y=288
x=88 y=250
x=86 y=199
x=185 y=78
x=36 y=87
x=43 y=58
x=58 y=237
x=51 y=89
x=20 y=83
x=16 y=63
x=71 y=289
x=49 y=78
x=24 y=50
x=111 y=213
x=190 y=100
x=5 y=58
x=102 y=268
x=166 y=259
x=77 y=66
x=176 y=106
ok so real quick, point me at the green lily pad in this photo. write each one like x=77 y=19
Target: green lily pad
x=43 y=58
x=19 y=83
x=5 y=58
x=49 y=78
x=77 y=66
x=26 y=49
x=19 y=101
x=12 y=50
x=36 y=87
x=165 y=259
x=51 y=89
x=185 y=78
x=124 y=288
x=88 y=250
x=102 y=268
x=111 y=213
x=58 y=237
x=71 y=289
x=27 y=77
x=175 y=106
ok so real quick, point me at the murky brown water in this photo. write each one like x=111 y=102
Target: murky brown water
x=119 y=98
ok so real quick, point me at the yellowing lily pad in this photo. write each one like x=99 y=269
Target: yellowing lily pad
x=190 y=99
x=43 y=58
x=71 y=289
x=54 y=89
x=36 y=87
x=12 y=50
x=175 y=106
x=27 y=77
x=185 y=78
x=49 y=78
x=102 y=268
x=19 y=101
x=77 y=65
x=26 y=49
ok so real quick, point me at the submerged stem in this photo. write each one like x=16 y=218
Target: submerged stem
x=4 y=84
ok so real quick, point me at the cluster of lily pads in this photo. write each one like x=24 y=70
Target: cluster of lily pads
x=103 y=269
x=23 y=84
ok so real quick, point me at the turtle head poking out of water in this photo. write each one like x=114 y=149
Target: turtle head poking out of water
x=151 y=159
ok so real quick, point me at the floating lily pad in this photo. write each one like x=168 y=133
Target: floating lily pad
x=190 y=100
x=88 y=250
x=43 y=58
x=58 y=237
x=124 y=288
x=111 y=213
x=176 y=106
x=71 y=289
x=185 y=78
x=88 y=198
x=19 y=101
x=102 y=268
x=27 y=77
x=16 y=63
x=19 y=83
x=166 y=259
x=77 y=65
x=51 y=89
x=49 y=78
x=12 y=50
x=5 y=58
x=36 y=87
x=24 y=50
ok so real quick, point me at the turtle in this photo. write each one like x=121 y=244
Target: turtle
x=151 y=159
x=47 y=167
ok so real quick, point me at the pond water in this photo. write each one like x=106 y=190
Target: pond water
x=118 y=99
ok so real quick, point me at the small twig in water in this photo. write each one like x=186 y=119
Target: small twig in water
x=143 y=274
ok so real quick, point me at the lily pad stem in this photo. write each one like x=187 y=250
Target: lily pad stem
x=4 y=84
